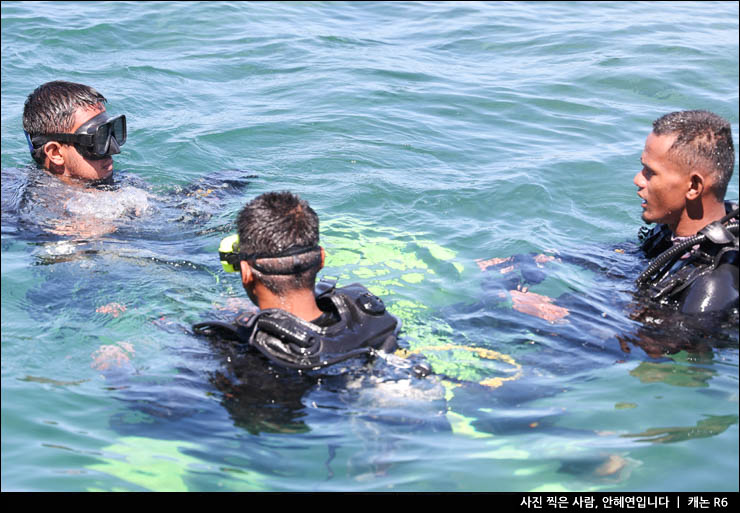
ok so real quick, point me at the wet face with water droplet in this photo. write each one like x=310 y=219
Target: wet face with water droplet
x=663 y=182
x=66 y=161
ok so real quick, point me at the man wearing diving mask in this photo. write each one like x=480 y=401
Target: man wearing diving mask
x=277 y=254
x=70 y=134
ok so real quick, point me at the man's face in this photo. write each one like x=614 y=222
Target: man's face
x=75 y=165
x=662 y=182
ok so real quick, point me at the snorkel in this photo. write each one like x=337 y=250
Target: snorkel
x=228 y=252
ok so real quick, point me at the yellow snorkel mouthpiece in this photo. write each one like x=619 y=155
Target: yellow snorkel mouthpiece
x=228 y=253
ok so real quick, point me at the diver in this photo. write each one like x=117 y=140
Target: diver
x=687 y=163
x=688 y=293
x=72 y=139
x=69 y=132
x=298 y=325
x=73 y=190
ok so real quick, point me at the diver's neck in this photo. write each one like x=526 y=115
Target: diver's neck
x=694 y=220
x=67 y=179
x=301 y=303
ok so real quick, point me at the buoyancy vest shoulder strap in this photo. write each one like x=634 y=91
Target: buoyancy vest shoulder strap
x=714 y=246
x=717 y=234
x=364 y=326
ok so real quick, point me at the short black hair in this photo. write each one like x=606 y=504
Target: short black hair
x=51 y=108
x=275 y=222
x=702 y=138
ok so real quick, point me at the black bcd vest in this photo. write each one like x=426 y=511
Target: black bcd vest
x=364 y=326
x=669 y=276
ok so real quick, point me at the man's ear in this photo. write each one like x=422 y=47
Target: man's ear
x=697 y=185
x=246 y=272
x=323 y=258
x=52 y=151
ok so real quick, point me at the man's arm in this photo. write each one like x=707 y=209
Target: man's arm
x=531 y=268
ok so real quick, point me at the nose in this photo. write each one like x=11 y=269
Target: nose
x=639 y=179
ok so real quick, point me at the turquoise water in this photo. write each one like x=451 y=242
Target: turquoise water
x=426 y=136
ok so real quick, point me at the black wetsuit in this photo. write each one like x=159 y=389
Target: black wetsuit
x=703 y=278
x=354 y=323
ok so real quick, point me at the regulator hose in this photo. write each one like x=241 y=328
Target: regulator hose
x=674 y=253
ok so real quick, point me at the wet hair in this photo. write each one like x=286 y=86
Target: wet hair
x=703 y=139
x=275 y=222
x=51 y=108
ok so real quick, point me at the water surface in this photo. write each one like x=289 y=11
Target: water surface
x=426 y=136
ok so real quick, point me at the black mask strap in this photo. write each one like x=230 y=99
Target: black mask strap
x=296 y=268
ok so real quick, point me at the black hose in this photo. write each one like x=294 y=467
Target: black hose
x=734 y=213
x=672 y=254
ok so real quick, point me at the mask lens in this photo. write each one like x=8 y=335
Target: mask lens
x=101 y=141
x=115 y=127
x=119 y=129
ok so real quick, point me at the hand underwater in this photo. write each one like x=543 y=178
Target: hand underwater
x=112 y=355
x=537 y=305
x=83 y=229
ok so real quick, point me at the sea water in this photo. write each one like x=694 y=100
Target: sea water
x=427 y=136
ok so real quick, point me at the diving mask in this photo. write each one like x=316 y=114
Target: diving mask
x=228 y=252
x=100 y=137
